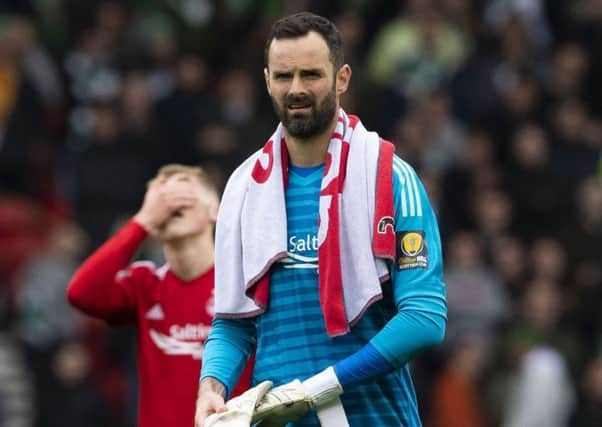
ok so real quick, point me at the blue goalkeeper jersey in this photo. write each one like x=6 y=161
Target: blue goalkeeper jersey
x=292 y=342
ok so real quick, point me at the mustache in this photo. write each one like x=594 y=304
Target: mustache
x=299 y=99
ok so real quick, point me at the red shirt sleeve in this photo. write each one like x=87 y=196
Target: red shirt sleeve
x=103 y=286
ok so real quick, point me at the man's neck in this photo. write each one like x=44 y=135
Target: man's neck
x=309 y=152
x=190 y=257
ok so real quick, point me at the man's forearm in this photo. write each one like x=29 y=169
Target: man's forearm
x=385 y=352
x=227 y=350
x=421 y=326
x=92 y=288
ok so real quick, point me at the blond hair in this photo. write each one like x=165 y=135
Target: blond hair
x=195 y=172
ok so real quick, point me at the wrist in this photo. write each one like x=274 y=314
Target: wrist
x=143 y=222
x=323 y=387
x=210 y=384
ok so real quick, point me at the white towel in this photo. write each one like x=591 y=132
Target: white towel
x=355 y=240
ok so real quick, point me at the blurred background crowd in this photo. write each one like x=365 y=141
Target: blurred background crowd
x=497 y=104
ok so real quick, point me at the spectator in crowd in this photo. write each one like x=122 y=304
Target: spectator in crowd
x=548 y=260
x=582 y=237
x=43 y=317
x=532 y=184
x=538 y=325
x=187 y=107
x=20 y=105
x=509 y=260
x=543 y=393
x=100 y=161
x=492 y=213
x=476 y=170
x=417 y=50
x=569 y=66
x=589 y=410
x=577 y=139
x=477 y=300
x=456 y=399
x=17 y=402
x=445 y=136
x=582 y=234
x=75 y=400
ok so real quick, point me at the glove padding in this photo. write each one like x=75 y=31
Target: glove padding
x=282 y=404
x=290 y=401
x=240 y=409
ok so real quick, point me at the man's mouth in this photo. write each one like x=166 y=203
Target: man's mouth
x=299 y=107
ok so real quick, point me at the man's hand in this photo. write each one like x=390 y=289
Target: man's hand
x=162 y=200
x=209 y=401
x=240 y=409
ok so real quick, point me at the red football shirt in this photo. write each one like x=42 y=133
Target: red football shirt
x=173 y=318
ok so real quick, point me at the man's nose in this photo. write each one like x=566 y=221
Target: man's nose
x=297 y=87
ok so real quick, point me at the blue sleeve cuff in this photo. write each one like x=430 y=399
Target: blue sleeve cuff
x=361 y=366
x=227 y=349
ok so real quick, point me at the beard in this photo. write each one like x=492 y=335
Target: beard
x=307 y=125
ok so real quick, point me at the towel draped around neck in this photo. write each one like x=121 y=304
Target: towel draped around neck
x=356 y=233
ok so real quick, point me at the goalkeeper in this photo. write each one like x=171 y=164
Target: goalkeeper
x=328 y=259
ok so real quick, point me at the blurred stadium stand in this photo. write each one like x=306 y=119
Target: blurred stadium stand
x=497 y=103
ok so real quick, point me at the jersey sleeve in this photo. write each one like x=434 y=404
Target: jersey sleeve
x=416 y=273
x=418 y=288
x=418 y=244
x=104 y=285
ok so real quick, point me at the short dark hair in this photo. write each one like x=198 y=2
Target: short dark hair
x=300 y=24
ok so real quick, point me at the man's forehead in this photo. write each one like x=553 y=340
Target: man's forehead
x=308 y=51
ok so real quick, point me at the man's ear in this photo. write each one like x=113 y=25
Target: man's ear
x=266 y=75
x=343 y=78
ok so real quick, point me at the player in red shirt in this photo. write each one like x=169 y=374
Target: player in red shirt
x=172 y=305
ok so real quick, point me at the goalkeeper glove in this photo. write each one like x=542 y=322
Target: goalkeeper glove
x=290 y=401
x=240 y=409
